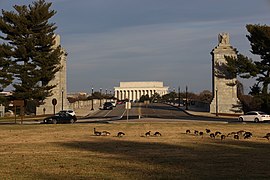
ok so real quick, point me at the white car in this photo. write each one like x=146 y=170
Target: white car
x=255 y=116
x=68 y=111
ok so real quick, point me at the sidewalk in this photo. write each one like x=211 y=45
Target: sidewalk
x=197 y=112
x=84 y=111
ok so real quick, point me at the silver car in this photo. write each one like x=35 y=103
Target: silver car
x=255 y=116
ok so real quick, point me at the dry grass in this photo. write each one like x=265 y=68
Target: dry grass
x=71 y=151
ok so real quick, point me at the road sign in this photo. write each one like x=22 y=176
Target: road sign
x=54 y=101
x=18 y=102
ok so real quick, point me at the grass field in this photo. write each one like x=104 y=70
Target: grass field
x=71 y=151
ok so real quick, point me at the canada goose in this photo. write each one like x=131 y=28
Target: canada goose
x=247 y=136
x=157 y=134
x=212 y=135
x=105 y=133
x=268 y=134
x=236 y=136
x=120 y=134
x=222 y=137
x=188 y=131
x=207 y=130
x=267 y=137
x=217 y=133
x=147 y=133
x=196 y=132
x=97 y=133
x=201 y=133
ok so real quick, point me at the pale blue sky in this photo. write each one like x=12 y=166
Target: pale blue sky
x=109 y=41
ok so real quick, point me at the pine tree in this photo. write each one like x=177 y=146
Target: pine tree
x=5 y=64
x=259 y=37
x=35 y=59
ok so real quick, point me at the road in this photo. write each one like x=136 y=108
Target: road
x=154 y=110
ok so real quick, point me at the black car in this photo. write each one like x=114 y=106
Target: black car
x=107 y=106
x=60 y=118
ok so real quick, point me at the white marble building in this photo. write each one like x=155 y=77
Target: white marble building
x=134 y=90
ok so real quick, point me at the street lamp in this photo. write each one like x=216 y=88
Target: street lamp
x=216 y=102
x=92 y=109
x=100 y=90
x=62 y=98
x=179 y=96
x=186 y=98
x=106 y=95
x=173 y=96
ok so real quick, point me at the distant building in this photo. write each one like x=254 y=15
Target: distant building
x=77 y=95
x=5 y=93
x=134 y=90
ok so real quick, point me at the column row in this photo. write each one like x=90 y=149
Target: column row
x=136 y=94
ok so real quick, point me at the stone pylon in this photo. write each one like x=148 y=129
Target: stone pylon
x=60 y=91
x=224 y=88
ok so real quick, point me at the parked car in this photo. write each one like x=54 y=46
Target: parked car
x=255 y=116
x=69 y=111
x=60 y=118
x=107 y=106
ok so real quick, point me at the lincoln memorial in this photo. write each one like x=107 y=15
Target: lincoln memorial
x=134 y=90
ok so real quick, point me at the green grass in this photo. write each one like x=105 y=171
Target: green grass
x=71 y=151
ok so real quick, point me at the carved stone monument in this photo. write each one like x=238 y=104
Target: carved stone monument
x=224 y=88
x=60 y=91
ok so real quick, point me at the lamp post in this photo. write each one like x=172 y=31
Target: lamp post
x=173 y=96
x=106 y=95
x=92 y=109
x=100 y=90
x=186 y=98
x=179 y=96
x=62 y=91
x=216 y=102
x=111 y=94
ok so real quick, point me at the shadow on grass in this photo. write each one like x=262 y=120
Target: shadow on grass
x=216 y=159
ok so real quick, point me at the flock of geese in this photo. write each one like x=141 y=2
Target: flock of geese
x=121 y=134
x=218 y=134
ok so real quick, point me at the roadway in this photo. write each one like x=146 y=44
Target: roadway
x=154 y=110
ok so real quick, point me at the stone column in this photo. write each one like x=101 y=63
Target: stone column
x=224 y=88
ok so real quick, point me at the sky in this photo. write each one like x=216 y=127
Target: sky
x=111 y=41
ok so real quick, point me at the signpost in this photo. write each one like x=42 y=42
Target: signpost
x=128 y=107
x=54 y=102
